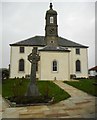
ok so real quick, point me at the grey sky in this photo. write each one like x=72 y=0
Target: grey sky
x=96 y=33
x=21 y=20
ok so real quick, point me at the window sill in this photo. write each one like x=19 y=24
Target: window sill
x=78 y=71
x=54 y=71
x=21 y=71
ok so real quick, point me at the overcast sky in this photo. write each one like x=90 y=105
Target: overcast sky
x=22 y=20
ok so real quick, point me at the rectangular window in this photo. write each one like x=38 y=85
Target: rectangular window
x=77 y=51
x=51 y=20
x=21 y=49
x=54 y=65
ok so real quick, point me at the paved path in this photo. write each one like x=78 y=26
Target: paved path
x=79 y=105
x=3 y=105
x=74 y=92
x=0 y=107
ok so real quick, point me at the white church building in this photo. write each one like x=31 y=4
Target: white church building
x=60 y=59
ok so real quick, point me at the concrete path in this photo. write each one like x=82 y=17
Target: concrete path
x=79 y=105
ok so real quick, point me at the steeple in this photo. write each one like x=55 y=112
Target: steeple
x=51 y=27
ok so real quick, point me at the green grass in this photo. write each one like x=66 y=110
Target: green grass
x=12 y=87
x=85 y=85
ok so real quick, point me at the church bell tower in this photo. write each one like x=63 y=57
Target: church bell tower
x=51 y=27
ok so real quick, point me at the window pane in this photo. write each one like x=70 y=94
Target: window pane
x=51 y=19
x=78 y=67
x=54 y=65
x=77 y=51
x=21 y=49
x=21 y=65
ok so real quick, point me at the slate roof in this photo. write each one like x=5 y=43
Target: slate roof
x=51 y=11
x=54 y=48
x=93 y=69
x=39 y=41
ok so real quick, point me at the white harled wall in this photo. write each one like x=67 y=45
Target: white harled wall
x=64 y=60
x=14 y=61
x=15 y=57
x=83 y=57
x=45 y=69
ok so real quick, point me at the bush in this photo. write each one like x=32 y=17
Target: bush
x=5 y=73
x=72 y=76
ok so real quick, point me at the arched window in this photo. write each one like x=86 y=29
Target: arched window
x=21 y=65
x=51 y=20
x=54 y=65
x=78 y=66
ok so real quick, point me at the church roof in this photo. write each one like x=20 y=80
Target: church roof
x=54 y=48
x=93 y=68
x=39 y=41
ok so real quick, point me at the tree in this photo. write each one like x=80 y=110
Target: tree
x=5 y=73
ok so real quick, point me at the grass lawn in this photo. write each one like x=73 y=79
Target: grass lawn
x=85 y=85
x=12 y=87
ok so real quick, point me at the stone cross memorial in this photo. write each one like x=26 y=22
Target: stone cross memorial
x=32 y=87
